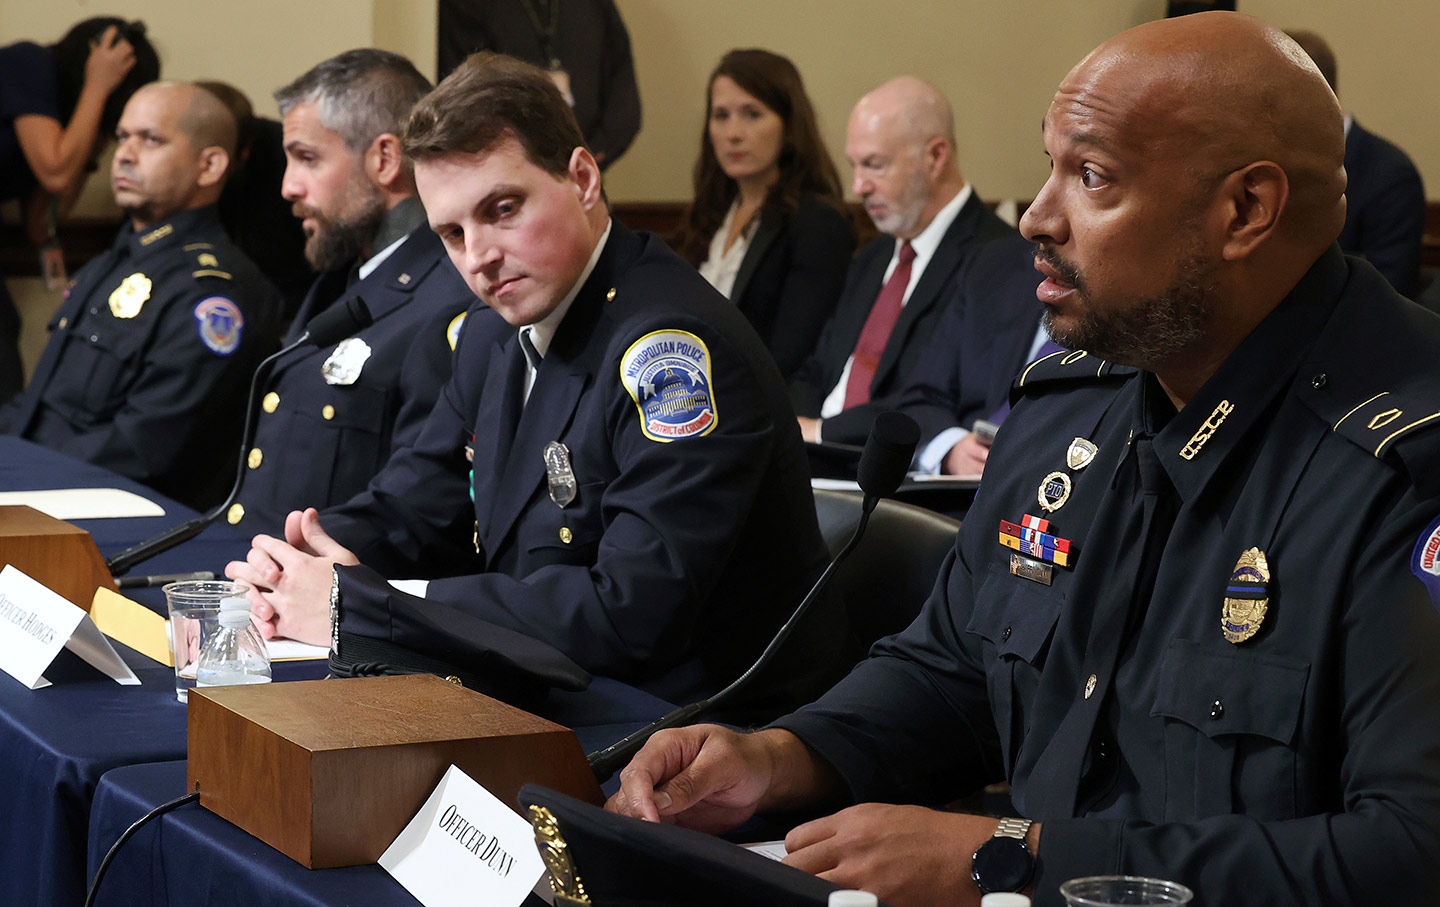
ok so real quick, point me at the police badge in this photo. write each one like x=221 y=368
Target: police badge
x=344 y=364
x=1247 y=596
x=129 y=298
x=558 y=474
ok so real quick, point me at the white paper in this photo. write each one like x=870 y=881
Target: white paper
x=465 y=847
x=294 y=650
x=774 y=850
x=36 y=623
x=84 y=503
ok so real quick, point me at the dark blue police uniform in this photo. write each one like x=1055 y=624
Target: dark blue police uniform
x=150 y=358
x=687 y=530
x=330 y=418
x=1196 y=651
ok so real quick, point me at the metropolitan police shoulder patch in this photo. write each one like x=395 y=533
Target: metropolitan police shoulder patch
x=221 y=324
x=452 y=330
x=1425 y=560
x=668 y=376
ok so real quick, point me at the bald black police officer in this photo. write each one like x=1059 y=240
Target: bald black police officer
x=1181 y=617
x=151 y=352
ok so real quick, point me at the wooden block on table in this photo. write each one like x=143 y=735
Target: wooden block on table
x=54 y=553
x=328 y=772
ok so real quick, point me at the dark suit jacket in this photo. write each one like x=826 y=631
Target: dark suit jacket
x=676 y=558
x=982 y=341
x=791 y=276
x=1385 y=209
x=973 y=226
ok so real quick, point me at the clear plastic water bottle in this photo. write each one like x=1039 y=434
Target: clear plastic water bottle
x=236 y=653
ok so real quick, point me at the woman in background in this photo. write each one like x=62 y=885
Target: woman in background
x=58 y=104
x=768 y=226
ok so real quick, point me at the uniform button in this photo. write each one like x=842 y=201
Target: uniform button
x=235 y=514
x=455 y=680
x=271 y=402
x=94 y=338
x=1005 y=634
x=1090 y=686
x=1217 y=709
x=610 y=296
x=328 y=412
x=566 y=535
x=94 y=311
x=255 y=459
x=63 y=322
x=1319 y=381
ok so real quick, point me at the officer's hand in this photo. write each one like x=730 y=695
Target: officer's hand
x=809 y=429
x=290 y=583
x=704 y=777
x=110 y=61
x=906 y=855
x=966 y=458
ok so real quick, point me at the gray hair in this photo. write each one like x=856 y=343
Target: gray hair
x=359 y=94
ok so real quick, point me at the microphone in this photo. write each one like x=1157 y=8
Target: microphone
x=883 y=466
x=331 y=326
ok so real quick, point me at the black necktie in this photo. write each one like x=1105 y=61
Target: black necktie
x=1052 y=790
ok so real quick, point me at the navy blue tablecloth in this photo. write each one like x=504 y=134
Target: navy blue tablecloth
x=192 y=856
x=55 y=743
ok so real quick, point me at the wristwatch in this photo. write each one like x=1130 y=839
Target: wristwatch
x=1004 y=863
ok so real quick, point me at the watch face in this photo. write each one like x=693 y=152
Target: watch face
x=1002 y=864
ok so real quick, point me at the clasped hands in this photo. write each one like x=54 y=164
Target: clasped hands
x=712 y=779
x=290 y=579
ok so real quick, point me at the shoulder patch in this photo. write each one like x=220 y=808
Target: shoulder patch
x=452 y=330
x=220 y=324
x=668 y=376
x=1378 y=422
x=1066 y=366
x=1425 y=560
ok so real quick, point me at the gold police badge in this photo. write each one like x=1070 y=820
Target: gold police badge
x=129 y=298
x=1247 y=596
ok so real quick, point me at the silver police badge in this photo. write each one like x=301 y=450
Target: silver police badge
x=558 y=474
x=344 y=364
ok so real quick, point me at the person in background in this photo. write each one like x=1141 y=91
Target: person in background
x=901 y=143
x=58 y=104
x=151 y=353
x=581 y=44
x=1384 y=195
x=766 y=226
x=255 y=215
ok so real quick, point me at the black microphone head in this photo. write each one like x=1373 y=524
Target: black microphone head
x=887 y=455
x=338 y=322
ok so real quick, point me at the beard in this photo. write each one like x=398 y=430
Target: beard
x=338 y=241
x=1146 y=333
x=906 y=208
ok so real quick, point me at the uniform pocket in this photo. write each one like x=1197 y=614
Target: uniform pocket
x=1231 y=720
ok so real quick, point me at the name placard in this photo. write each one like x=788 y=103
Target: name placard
x=465 y=847
x=36 y=623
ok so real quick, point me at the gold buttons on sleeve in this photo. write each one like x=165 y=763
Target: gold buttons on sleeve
x=255 y=459
x=566 y=535
x=271 y=402
x=328 y=412
x=1090 y=686
x=235 y=514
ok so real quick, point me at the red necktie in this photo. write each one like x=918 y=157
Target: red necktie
x=878 y=326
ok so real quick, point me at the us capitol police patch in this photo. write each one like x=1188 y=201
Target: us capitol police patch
x=668 y=376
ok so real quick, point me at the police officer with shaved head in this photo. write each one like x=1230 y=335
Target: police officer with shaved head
x=151 y=352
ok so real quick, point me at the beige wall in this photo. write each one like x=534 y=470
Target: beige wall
x=999 y=61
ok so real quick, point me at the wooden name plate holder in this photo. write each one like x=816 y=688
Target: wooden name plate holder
x=328 y=772
x=54 y=553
